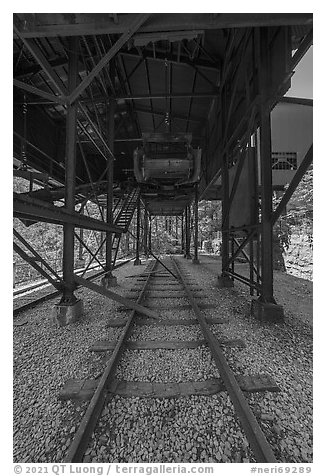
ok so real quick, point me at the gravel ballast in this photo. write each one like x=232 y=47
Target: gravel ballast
x=45 y=357
x=187 y=429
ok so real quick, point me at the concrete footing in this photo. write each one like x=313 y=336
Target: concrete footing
x=65 y=314
x=224 y=282
x=266 y=311
x=137 y=262
x=109 y=281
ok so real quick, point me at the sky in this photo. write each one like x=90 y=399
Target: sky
x=301 y=81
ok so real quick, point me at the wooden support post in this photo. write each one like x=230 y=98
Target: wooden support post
x=137 y=261
x=195 y=259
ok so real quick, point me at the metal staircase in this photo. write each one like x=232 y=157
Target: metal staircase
x=122 y=216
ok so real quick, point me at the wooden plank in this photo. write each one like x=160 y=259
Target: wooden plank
x=105 y=345
x=257 y=383
x=82 y=390
x=116 y=297
x=178 y=322
x=180 y=307
x=162 y=295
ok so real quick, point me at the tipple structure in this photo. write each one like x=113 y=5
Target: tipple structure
x=147 y=114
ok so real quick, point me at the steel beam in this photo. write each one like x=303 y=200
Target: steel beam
x=86 y=24
x=165 y=95
x=187 y=232
x=68 y=296
x=293 y=185
x=161 y=57
x=302 y=49
x=195 y=260
x=266 y=172
x=36 y=256
x=39 y=92
x=36 y=266
x=135 y=25
x=150 y=235
x=225 y=197
x=129 y=304
x=182 y=234
x=41 y=60
x=137 y=260
x=145 y=231
x=109 y=192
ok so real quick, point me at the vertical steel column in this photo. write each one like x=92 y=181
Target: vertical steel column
x=182 y=234
x=80 y=251
x=225 y=207
x=265 y=308
x=266 y=173
x=68 y=296
x=188 y=237
x=223 y=279
x=145 y=233
x=109 y=195
x=195 y=259
x=251 y=265
x=137 y=261
x=150 y=234
x=185 y=231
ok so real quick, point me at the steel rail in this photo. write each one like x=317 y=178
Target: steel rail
x=41 y=299
x=80 y=441
x=256 y=438
x=38 y=284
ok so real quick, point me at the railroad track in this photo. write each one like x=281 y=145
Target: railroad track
x=138 y=350
x=45 y=297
